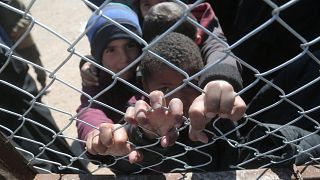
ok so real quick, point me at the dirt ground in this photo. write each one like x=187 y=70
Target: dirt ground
x=66 y=19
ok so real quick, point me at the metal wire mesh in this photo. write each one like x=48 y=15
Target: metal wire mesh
x=267 y=140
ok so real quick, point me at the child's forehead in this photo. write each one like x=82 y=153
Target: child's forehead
x=119 y=42
x=160 y=66
x=169 y=78
x=152 y=1
x=166 y=73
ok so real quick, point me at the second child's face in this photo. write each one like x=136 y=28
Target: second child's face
x=119 y=54
x=168 y=80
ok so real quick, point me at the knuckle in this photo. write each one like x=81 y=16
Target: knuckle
x=103 y=126
x=139 y=104
x=225 y=109
x=220 y=85
x=156 y=93
x=227 y=87
x=195 y=114
x=213 y=84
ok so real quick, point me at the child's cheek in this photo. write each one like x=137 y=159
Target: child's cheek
x=128 y=74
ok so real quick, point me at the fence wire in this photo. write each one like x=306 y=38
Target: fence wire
x=280 y=128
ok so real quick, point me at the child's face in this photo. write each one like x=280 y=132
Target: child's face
x=119 y=54
x=145 y=5
x=168 y=80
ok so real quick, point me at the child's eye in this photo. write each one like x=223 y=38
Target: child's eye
x=109 y=50
x=131 y=45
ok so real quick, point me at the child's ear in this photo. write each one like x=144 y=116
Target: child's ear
x=198 y=39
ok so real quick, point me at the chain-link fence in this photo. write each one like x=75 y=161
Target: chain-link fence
x=275 y=44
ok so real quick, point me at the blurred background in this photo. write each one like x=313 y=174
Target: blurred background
x=68 y=19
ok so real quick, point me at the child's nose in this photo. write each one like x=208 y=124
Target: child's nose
x=125 y=58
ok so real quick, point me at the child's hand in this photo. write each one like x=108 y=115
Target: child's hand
x=218 y=99
x=111 y=139
x=156 y=119
x=89 y=74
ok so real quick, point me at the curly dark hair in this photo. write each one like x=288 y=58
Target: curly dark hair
x=162 y=16
x=176 y=48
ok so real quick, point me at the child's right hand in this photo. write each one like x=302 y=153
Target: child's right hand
x=111 y=139
x=157 y=119
x=89 y=74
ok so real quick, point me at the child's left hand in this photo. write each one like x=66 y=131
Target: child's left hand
x=218 y=99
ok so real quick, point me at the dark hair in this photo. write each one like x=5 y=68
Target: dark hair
x=162 y=16
x=176 y=48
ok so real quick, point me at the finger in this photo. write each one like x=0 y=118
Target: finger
x=239 y=109
x=212 y=98
x=157 y=99
x=88 y=79
x=198 y=120
x=129 y=116
x=227 y=101
x=120 y=146
x=89 y=143
x=176 y=111
x=120 y=141
x=97 y=146
x=170 y=138
x=91 y=78
x=94 y=71
x=86 y=82
x=140 y=111
x=196 y=135
x=165 y=119
x=88 y=74
x=106 y=134
x=196 y=114
x=135 y=157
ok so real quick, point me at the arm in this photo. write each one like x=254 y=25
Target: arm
x=107 y=139
x=213 y=50
x=228 y=69
x=220 y=81
x=112 y=139
x=92 y=116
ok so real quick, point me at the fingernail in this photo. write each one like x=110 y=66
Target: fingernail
x=164 y=142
